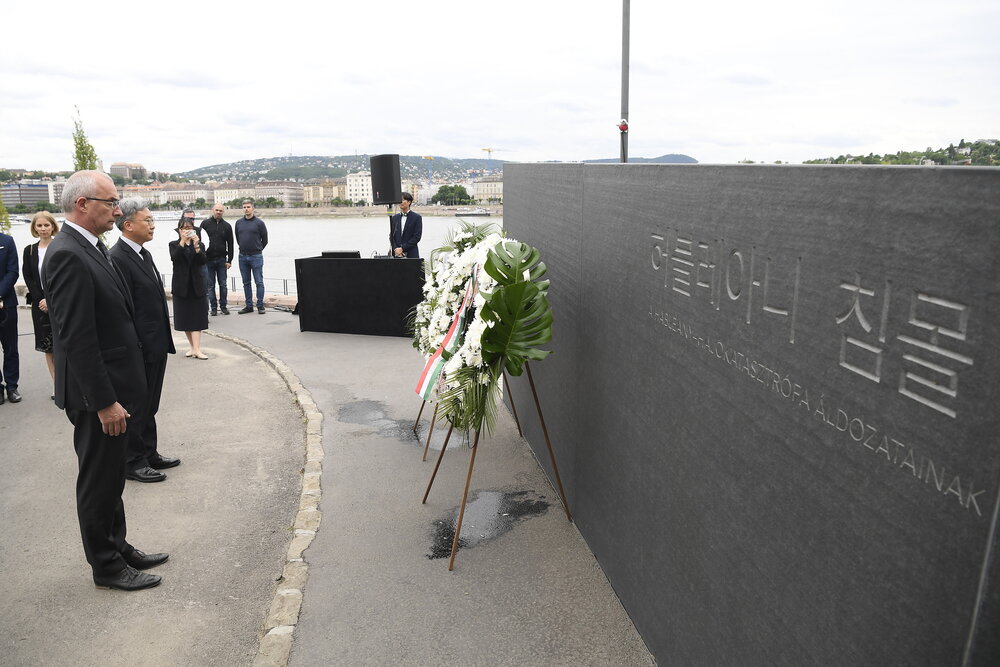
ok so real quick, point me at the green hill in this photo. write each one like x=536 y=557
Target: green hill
x=983 y=153
x=303 y=167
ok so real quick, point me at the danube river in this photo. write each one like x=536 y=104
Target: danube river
x=291 y=238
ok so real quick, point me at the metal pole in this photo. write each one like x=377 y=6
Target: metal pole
x=625 y=32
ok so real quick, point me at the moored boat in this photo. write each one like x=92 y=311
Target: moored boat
x=481 y=212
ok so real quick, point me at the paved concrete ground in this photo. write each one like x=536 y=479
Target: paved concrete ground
x=224 y=515
x=525 y=591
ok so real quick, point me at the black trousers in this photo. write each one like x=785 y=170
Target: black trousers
x=99 y=485
x=8 y=343
x=141 y=433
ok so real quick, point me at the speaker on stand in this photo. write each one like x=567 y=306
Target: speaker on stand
x=386 y=188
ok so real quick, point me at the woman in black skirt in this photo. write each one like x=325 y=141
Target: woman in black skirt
x=43 y=228
x=188 y=285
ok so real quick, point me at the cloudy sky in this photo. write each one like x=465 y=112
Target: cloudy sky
x=185 y=84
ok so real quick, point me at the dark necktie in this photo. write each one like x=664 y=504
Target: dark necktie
x=104 y=250
x=117 y=274
x=148 y=260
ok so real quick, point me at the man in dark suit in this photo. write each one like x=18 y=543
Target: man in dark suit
x=143 y=462
x=8 y=320
x=405 y=229
x=100 y=377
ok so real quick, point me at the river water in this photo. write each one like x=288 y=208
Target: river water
x=291 y=238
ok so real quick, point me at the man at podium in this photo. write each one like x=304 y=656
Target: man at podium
x=405 y=229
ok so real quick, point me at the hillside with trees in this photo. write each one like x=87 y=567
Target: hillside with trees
x=982 y=153
x=304 y=167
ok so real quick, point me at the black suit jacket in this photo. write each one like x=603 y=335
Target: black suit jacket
x=8 y=271
x=409 y=236
x=29 y=271
x=98 y=356
x=152 y=320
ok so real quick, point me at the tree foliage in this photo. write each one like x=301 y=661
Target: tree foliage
x=84 y=155
x=4 y=218
x=984 y=153
x=302 y=173
x=451 y=195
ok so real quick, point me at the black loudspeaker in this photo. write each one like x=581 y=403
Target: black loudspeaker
x=386 y=188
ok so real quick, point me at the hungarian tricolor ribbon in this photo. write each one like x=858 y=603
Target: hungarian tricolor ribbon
x=451 y=342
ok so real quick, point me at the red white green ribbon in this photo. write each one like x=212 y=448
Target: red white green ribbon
x=451 y=342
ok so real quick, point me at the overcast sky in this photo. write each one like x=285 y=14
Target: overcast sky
x=181 y=85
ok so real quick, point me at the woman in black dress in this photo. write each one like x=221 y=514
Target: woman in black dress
x=43 y=228
x=188 y=286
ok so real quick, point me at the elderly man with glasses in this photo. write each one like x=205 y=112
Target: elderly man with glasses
x=143 y=462
x=100 y=376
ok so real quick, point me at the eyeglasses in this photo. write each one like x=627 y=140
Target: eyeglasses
x=115 y=203
x=189 y=220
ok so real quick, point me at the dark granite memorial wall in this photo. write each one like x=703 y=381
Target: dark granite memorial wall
x=773 y=398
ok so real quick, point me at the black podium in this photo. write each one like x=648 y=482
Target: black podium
x=357 y=296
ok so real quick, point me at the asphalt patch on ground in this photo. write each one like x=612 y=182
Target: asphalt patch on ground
x=488 y=515
x=373 y=413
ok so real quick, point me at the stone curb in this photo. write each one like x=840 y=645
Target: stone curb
x=279 y=626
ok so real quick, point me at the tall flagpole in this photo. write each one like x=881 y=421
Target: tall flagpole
x=623 y=126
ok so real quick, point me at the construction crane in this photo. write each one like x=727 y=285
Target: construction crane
x=489 y=153
x=430 y=170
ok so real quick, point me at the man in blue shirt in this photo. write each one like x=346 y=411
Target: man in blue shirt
x=251 y=237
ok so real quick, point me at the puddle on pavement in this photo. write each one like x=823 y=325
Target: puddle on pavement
x=488 y=514
x=373 y=413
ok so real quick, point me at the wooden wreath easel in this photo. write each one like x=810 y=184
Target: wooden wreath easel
x=472 y=463
x=430 y=432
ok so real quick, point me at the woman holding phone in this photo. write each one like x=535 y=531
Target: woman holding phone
x=188 y=284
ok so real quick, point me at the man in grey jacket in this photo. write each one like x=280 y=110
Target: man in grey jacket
x=251 y=237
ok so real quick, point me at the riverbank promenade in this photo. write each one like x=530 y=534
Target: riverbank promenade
x=295 y=526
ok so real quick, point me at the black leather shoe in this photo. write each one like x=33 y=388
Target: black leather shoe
x=225 y=311
x=14 y=395
x=129 y=579
x=162 y=462
x=260 y=309
x=214 y=313
x=146 y=474
x=246 y=309
x=144 y=561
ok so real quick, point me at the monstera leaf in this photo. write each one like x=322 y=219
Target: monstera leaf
x=518 y=321
x=513 y=262
x=521 y=321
